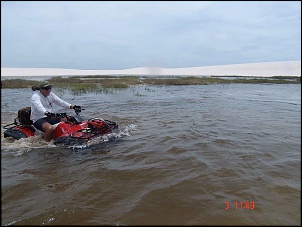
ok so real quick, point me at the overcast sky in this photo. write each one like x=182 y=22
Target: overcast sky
x=120 y=35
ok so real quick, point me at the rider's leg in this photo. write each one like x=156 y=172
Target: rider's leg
x=48 y=129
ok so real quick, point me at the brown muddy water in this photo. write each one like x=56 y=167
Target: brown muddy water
x=183 y=155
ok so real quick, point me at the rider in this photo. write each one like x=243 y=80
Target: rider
x=41 y=102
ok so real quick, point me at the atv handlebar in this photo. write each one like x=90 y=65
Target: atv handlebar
x=77 y=110
x=55 y=115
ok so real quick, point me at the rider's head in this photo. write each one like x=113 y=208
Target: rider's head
x=45 y=87
x=45 y=84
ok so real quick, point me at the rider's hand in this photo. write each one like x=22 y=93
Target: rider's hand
x=50 y=115
x=64 y=119
x=77 y=108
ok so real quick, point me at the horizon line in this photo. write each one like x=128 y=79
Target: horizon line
x=151 y=66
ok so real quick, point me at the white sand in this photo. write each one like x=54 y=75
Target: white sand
x=265 y=69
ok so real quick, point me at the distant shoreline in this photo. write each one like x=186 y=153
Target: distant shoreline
x=265 y=69
x=97 y=83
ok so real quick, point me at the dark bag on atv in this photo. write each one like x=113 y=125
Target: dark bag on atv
x=24 y=116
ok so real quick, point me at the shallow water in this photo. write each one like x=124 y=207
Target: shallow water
x=184 y=155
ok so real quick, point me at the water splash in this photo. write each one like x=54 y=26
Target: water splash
x=121 y=132
x=25 y=145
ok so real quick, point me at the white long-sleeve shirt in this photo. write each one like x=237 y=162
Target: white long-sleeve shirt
x=40 y=104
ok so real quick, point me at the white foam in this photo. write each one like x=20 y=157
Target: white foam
x=25 y=145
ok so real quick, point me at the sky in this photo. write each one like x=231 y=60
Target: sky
x=113 y=35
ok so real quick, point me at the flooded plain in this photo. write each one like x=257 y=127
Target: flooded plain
x=183 y=155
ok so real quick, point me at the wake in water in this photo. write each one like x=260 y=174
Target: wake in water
x=25 y=145
x=105 y=138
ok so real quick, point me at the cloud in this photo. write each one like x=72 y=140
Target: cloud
x=120 y=35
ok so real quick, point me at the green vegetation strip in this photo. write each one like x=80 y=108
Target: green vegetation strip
x=84 y=84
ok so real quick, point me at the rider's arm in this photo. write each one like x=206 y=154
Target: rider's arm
x=37 y=103
x=38 y=107
x=55 y=99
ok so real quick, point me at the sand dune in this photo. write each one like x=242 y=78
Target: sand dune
x=265 y=69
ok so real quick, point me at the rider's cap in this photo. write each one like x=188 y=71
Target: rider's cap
x=44 y=84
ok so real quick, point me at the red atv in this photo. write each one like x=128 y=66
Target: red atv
x=75 y=130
